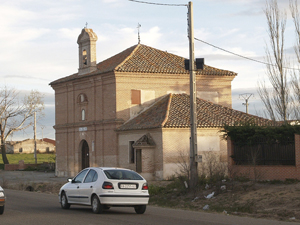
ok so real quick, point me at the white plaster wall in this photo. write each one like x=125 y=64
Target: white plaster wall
x=176 y=147
x=208 y=143
x=209 y=96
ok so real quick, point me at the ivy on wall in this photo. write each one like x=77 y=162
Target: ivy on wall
x=249 y=133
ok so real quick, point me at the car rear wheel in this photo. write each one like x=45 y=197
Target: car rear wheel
x=64 y=201
x=140 y=209
x=1 y=210
x=96 y=205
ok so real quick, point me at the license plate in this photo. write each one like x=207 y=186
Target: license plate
x=128 y=186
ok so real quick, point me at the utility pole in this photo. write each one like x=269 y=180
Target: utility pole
x=34 y=129
x=193 y=103
x=246 y=97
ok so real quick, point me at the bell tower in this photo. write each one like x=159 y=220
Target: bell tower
x=87 y=51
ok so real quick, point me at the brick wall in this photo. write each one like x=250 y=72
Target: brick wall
x=108 y=105
x=162 y=84
x=266 y=172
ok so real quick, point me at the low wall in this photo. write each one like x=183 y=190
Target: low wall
x=23 y=166
x=266 y=172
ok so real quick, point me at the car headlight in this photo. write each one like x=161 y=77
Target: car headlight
x=1 y=194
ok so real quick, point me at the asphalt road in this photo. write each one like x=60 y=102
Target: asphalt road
x=39 y=208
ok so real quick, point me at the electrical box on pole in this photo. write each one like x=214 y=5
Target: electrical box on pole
x=199 y=64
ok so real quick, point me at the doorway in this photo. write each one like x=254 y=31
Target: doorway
x=85 y=159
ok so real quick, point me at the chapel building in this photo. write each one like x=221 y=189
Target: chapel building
x=132 y=111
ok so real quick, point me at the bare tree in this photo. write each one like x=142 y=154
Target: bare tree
x=295 y=75
x=183 y=164
x=277 y=100
x=15 y=114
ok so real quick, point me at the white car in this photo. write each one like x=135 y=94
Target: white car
x=2 y=200
x=104 y=187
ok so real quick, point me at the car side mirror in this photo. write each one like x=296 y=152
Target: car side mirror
x=70 y=180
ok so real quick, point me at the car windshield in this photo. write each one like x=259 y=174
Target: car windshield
x=122 y=175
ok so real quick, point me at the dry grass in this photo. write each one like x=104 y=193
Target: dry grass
x=279 y=201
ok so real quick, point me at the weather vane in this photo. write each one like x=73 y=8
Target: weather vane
x=138 y=27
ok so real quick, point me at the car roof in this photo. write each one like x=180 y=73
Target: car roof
x=108 y=168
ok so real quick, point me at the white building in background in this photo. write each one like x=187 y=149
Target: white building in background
x=44 y=145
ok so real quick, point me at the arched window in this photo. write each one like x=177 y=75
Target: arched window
x=83 y=114
x=82 y=98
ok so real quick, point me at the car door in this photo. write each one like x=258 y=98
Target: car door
x=87 y=186
x=72 y=191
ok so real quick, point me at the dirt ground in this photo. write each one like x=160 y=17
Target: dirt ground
x=277 y=201
x=261 y=200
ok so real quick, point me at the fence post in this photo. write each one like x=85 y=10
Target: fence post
x=229 y=152
x=297 y=155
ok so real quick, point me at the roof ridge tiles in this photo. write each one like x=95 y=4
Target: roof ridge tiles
x=128 y=57
x=167 y=111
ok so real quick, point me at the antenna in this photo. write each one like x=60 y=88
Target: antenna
x=246 y=97
x=138 y=27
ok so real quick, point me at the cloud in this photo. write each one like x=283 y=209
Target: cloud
x=70 y=34
x=152 y=36
x=23 y=77
x=111 y=1
x=248 y=12
x=19 y=15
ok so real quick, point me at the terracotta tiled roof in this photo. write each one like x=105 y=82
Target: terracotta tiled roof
x=144 y=59
x=51 y=141
x=173 y=111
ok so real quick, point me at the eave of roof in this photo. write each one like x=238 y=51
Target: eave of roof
x=144 y=59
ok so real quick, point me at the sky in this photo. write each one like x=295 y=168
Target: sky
x=38 y=41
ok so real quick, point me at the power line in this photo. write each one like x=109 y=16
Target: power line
x=254 y=60
x=222 y=49
x=153 y=3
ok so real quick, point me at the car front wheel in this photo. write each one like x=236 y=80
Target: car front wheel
x=140 y=209
x=1 y=210
x=64 y=201
x=96 y=205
